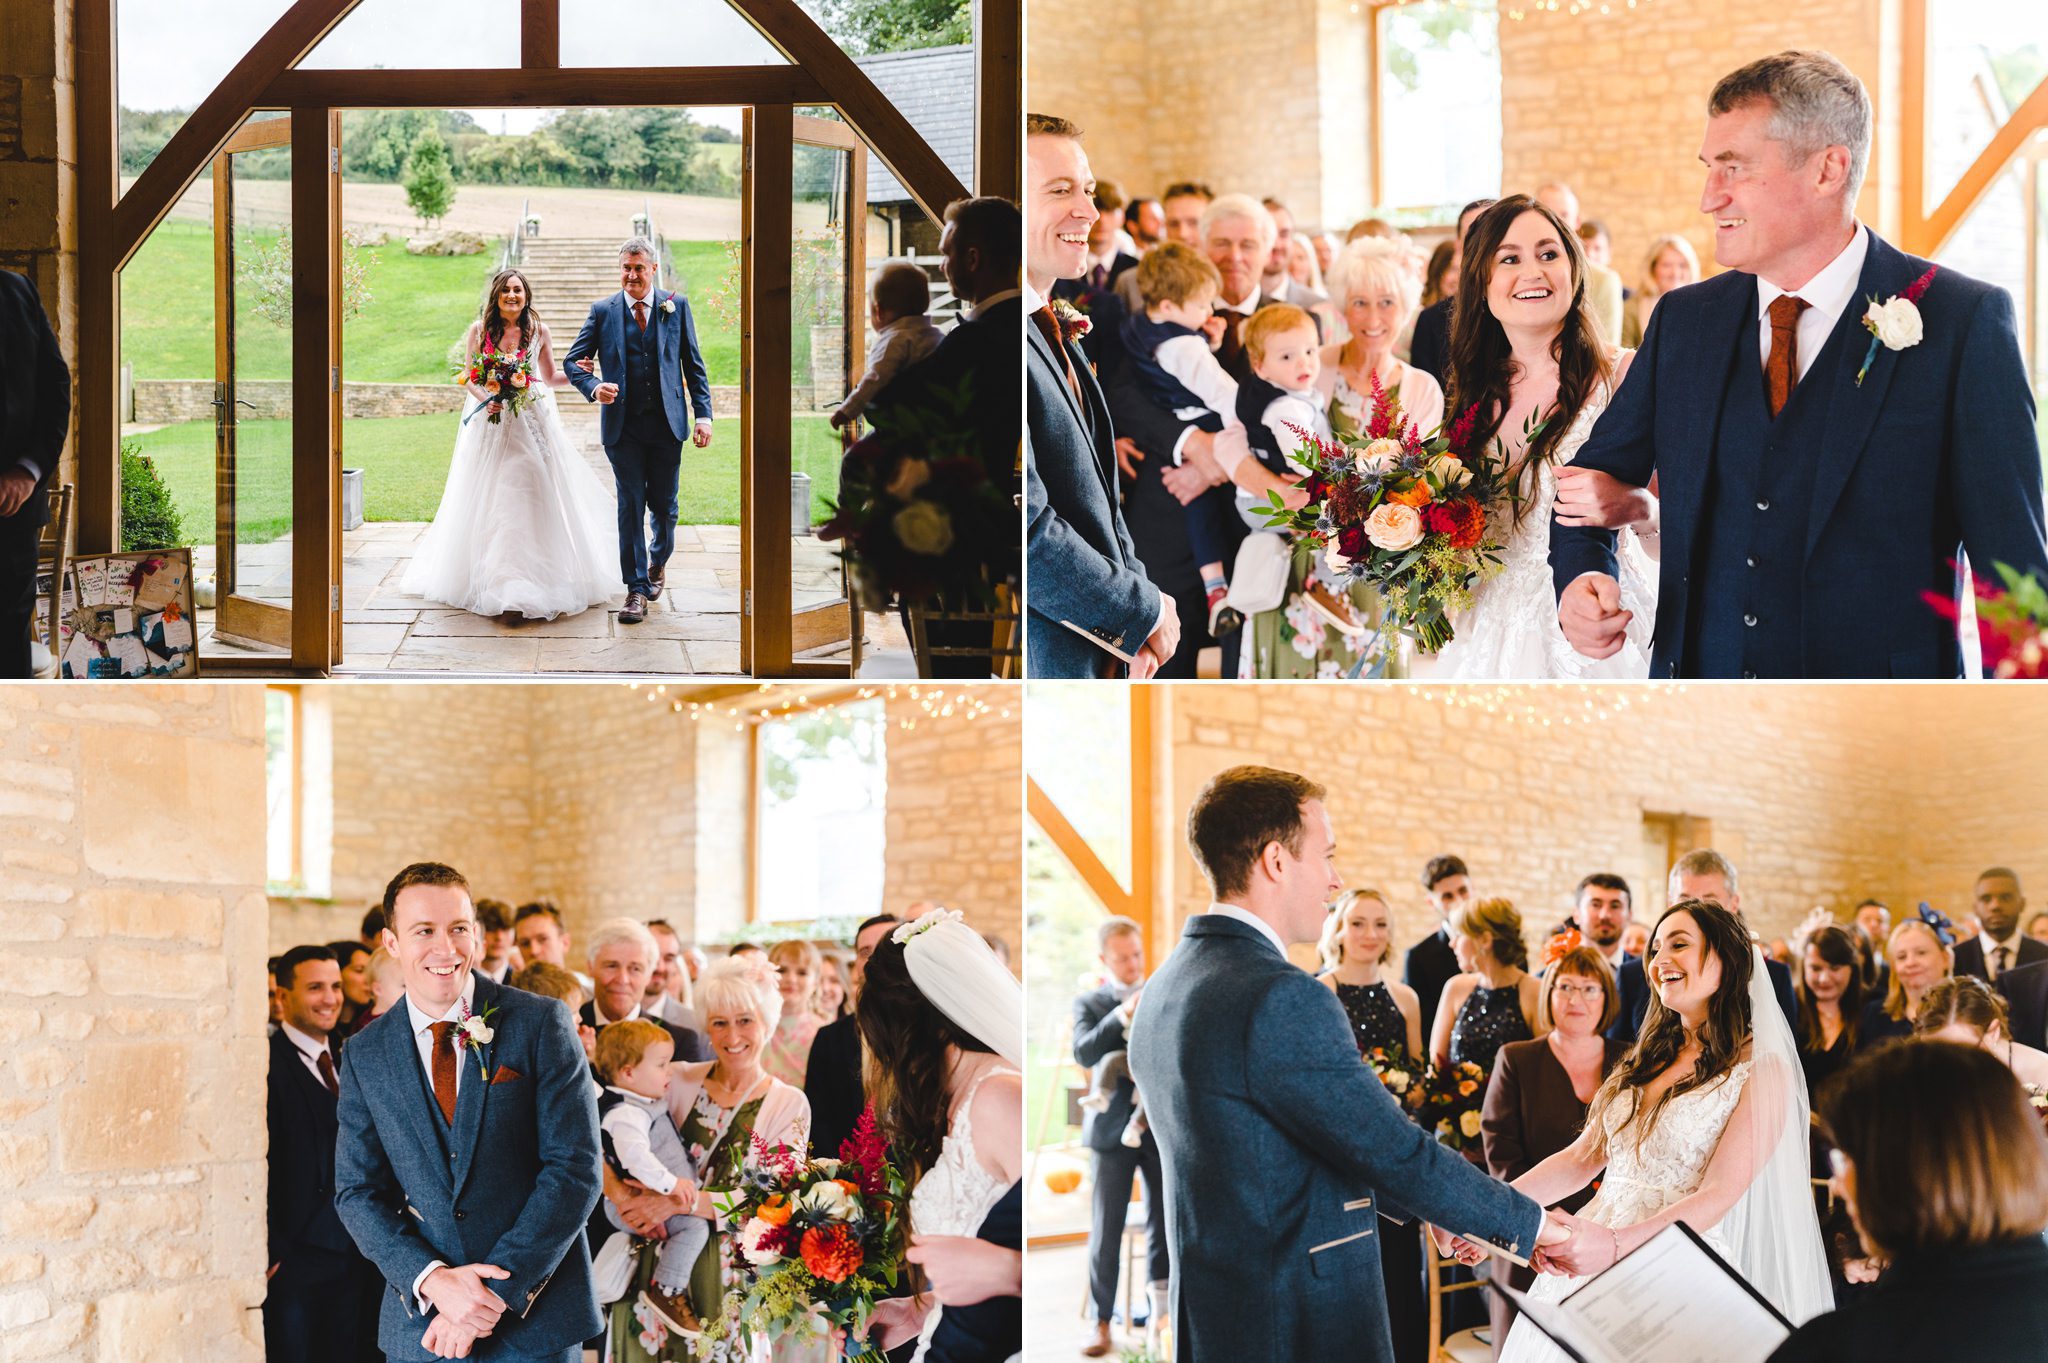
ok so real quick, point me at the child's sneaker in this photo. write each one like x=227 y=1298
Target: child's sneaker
x=675 y=1311
x=1333 y=608
x=1224 y=619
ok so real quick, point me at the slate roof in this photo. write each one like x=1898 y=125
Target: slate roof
x=935 y=90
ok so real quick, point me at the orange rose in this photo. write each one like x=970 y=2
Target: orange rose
x=1417 y=496
x=832 y=1253
x=775 y=1211
x=1466 y=1088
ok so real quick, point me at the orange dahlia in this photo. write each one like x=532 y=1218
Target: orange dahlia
x=775 y=1211
x=1417 y=496
x=832 y=1252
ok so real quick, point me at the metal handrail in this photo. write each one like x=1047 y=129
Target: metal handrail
x=514 y=248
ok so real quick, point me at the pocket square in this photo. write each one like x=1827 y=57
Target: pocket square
x=505 y=1074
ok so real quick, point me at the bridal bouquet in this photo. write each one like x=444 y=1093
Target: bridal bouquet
x=812 y=1243
x=1404 y=1076
x=506 y=375
x=1403 y=513
x=1451 y=1097
x=2012 y=623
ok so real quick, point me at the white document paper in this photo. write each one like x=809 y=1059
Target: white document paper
x=124 y=620
x=92 y=581
x=134 y=657
x=178 y=634
x=1672 y=1301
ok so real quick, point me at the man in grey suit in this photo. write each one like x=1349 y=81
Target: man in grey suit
x=467 y=1158
x=1088 y=600
x=1280 y=1150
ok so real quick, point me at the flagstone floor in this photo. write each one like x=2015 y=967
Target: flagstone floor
x=694 y=630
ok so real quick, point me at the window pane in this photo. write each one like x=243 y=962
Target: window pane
x=661 y=33
x=1983 y=60
x=821 y=825
x=1061 y=962
x=402 y=34
x=1439 y=103
x=280 y=768
x=169 y=57
x=1095 y=796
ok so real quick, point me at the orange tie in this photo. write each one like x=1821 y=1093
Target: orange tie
x=444 y=1069
x=1049 y=327
x=640 y=314
x=1782 y=373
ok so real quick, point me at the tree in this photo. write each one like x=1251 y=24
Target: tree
x=866 y=26
x=429 y=187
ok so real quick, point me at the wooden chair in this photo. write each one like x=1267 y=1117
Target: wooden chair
x=53 y=558
x=1004 y=652
x=1466 y=1346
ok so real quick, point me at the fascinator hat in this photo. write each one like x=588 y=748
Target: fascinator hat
x=958 y=975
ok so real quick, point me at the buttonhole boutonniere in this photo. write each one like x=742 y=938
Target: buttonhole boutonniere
x=1895 y=323
x=1074 y=324
x=477 y=1033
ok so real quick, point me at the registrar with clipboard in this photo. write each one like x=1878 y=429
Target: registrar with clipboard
x=1674 y=1300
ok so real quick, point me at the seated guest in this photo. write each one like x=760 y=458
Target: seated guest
x=1965 y=1010
x=538 y=930
x=1876 y=921
x=1671 y=264
x=1145 y=222
x=1429 y=348
x=1998 y=945
x=835 y=988
x=320 y=1302
x=1945 y=1170
x=1920 y=958
x=372 y=933
x=1430 y=963
x=387 y=986
x=789 y=1050
x=622 y=955
x=494 y=938
x=1493 y=1000
x=2037 y=926
x=899 y=306
x=1537 y=1096
x=1830 y=1003
x=832 y=1077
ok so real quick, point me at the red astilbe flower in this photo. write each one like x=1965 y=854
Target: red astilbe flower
x=779 y=1160
x=1327 y=451
x=1462 y=521
x=1460 y=434
x=867 y=1149
x=1918 y=287
x=832 y=1253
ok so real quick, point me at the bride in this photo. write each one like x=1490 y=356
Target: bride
x=524 y=526
x=1704 y=1122
x=1525 y=351
x=943 y=1020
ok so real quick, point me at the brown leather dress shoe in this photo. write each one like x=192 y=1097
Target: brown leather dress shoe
x=1100 y=1346
x=635 y=609
x=673 y=1310
x=656 y=580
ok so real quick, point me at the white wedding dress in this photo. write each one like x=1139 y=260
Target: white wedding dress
x=955 y=1195
x=1511 y=633
x=524 y=524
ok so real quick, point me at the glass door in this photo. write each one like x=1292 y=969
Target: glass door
x=252 y=390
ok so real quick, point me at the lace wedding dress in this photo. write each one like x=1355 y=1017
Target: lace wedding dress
x=1511 y=631
x=524 y=524
x=955 y=1195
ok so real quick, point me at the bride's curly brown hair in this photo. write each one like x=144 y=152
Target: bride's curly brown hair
x=1723 y=1034
x=906 y=1072
x=1482 y=367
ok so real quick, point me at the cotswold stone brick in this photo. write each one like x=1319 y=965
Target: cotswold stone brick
x=58 y=1217
x=125 y=912
x=130 y=1110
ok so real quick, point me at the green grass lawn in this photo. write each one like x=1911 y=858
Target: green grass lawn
x=405 y=464
x=419 y=307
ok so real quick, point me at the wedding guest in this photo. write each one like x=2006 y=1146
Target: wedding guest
x=1603 y=285
x=1965 y=1010
x=668 y=984
x=1945 y=1170
x=1092 y=600
x=1357 y=947
x=1102 y=1019
x=832 y=1077
x=541 y=936
x=748 y=949
x=1830 y=1003
x=622 y=956
x=1635 y=938
x=494 y=937
x=835 y=988
x=1440 y=280
x=1375 y=296
x=1597 y=244
x=641 y=1142
x=1145 y=220
x=1920 y=960
x=1998 y=945
x=1537 y=1095
x=979 y=255
x=1431 y=963
x=1278 y=282
x=2037 y=926
x=1370 y=227
x=1671 y=264
x=553 y=982
x=695 y=960
x=788 y=1049
x=1602 y=910
x=35 y=414
x=1492 y=1000
x=372 y=933
x=1874 y=921
x=1700 y=874
x=358 y=998
x=719 y=1106
x=1429 y=349
x=1183 y=205
x=320 y=1303
x=899 y=308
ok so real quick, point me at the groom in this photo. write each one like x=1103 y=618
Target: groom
x=467 y=1158
x=1806 y=504
x=1281 y=1150
x=645 y=345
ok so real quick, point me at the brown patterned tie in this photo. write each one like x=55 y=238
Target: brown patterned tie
x=1232 y=344
x=444 y=1069
x=1782 y=373
x=640 y=314
x=1049 y=327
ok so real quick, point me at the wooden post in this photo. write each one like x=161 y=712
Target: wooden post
x=999 y=99
x=540 y=34
x=96 y=387
x=765 y=555
x=315 y=386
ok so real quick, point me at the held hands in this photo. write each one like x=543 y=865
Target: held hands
x=462 y=1299
x=1456 y=1246
x=645 y=1211
x=1588 y=1247
x=1590 y=497
x=1591 y=616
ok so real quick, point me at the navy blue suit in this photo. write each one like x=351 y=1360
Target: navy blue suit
x=644 y=428
x=509 y=1182
x=1098 y=1033
x=318 y=1306
x=2026 y=995
x=1281 y=1151
x=1801 y=546
x=35 y=412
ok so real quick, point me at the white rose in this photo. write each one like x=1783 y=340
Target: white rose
x=1469 y=1124
x=828 y=1167
x=1397 y=1081
x=1394 y=527
x=1896 y=323
x=1336 y=558
x=478 y=1030
x=924 y=528
x=911 y=475
x=1379 y=456
x=829 y=1200
x=750 y=1243
x=1449 y=471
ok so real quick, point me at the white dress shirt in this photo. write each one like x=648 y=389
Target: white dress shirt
x=1247 y=916
x=631 y=1126
x=1189 y=360
x=310 y=1049
x=1992 y=946
x=974 y=312
x=1828 y=295
x=901 y=344
x=423 y=1037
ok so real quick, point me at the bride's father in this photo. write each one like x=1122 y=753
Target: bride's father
x=1281 y=1151
x=1814 y=479
x=646 y=346
x=467 y=1159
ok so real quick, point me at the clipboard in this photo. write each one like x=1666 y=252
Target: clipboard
x=1768 y=1323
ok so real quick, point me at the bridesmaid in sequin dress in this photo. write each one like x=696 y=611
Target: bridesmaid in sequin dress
x=1357 y=947
x=1494 y=1001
